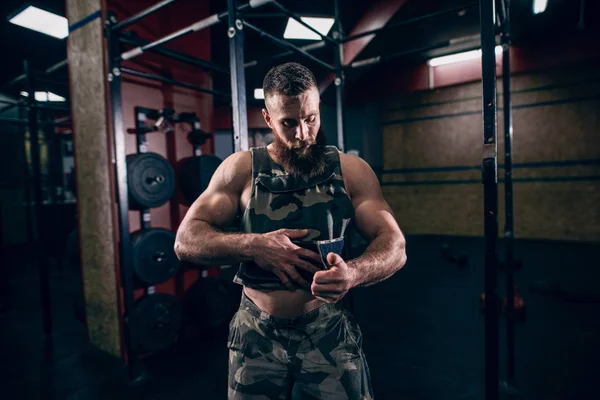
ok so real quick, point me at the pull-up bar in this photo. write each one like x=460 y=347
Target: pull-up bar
x=411 y=20
x=142 y=14
x=289 y=46
x=308 y=47
x=173 y=82
x=195 y=27
x=186 y=58
x=438 y=45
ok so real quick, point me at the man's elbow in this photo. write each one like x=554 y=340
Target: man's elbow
x=401 y=246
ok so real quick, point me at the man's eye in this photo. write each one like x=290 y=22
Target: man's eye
x=287 y=124
x=311 y=119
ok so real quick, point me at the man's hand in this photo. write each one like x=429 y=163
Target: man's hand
x=332 y=285
x=275 y=252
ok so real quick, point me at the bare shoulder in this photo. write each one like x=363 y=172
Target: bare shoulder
x=358 y=174
x=234 y=173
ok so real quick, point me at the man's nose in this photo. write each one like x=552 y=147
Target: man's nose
x=302 y=132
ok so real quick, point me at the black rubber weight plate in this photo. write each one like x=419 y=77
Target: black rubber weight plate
x=155 y=321
x=150 y=179
x=212 y=301
x=154 y=259
x=195 y=174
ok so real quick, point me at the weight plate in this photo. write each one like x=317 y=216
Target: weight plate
x=195 y=174
x=150 y=180
x=154 y=259
x=154 y=322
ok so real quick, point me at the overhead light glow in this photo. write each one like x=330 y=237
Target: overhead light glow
x=42 y=21
x=539 y=6
x=259 y=94
x=45 y=96
x=458 y=57
x=295 y=30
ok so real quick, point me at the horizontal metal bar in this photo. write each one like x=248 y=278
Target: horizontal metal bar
x=195 y=27
x=290 y=46
x=9 y=107
x=173 y=82
x=176 y=55
x=410 y=21
x=56 y=67
x=14 y=121
x=299 y=20
x=308 y=47
x=3 y=101
x=438 y=45
x=142 y=14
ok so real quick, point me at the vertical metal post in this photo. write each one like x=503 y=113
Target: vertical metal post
x=238 y=78
x=339 y=81
x=120 y=164
x=508 y=197
x=38 y=199
x=490 y=187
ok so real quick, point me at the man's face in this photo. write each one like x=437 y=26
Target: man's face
x=295 y=121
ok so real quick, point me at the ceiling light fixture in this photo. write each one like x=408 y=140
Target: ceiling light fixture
x=458 y=57
x=295 y=30
x=539 y=6
x=259 y=94
x=45 y=96
x=42 y=21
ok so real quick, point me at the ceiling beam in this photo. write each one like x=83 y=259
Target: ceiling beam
x=376 y=17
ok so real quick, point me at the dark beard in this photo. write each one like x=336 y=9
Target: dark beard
x=304 y=159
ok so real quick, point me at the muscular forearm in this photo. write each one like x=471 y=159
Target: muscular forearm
x=382 y=258
x=200 y=243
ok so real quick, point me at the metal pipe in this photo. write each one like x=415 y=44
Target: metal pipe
x=299 y=20
x=120 y=165
x=142 y=14
x=410 y=21
x=239 y=113
x=289 y=46
x=490 y=197
x=195 y=27
x=56 y=67
x=434 y=46
x=9 y=107
x=175 y=55
x=173 y=82
x=508 y=198
x=39 y=201
x=339 y=80
x=14 y=121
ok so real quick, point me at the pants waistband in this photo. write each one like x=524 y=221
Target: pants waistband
x=248 y=305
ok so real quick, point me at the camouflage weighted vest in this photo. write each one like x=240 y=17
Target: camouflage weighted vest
x=279 y=200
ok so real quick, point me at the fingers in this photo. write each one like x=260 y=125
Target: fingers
x=335 y=260
x=294 y=233
x=291 y=271
x=285 y=280
x=307 y=266
x=309 y=255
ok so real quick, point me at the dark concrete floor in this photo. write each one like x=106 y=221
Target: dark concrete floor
x=423 y=334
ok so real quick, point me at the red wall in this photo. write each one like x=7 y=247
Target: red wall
x=223 y=118
x=396 y=77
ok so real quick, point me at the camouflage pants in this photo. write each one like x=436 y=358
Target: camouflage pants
x=314 y=356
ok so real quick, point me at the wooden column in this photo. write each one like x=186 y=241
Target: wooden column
x=87 y=58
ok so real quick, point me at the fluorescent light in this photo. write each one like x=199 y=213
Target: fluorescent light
x=42 y=21
x=539 y=6
x=458 y=57
x=259 y=94
x=295 y=30
x=45 y=96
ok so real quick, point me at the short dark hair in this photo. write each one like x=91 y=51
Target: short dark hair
x=289 y=79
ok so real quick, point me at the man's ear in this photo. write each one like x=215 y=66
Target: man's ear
x=267 y=118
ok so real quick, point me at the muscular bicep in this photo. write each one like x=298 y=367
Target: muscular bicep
x=219 y=204
x=373 y=215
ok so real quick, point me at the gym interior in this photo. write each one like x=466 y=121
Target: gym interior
x=480 y=120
